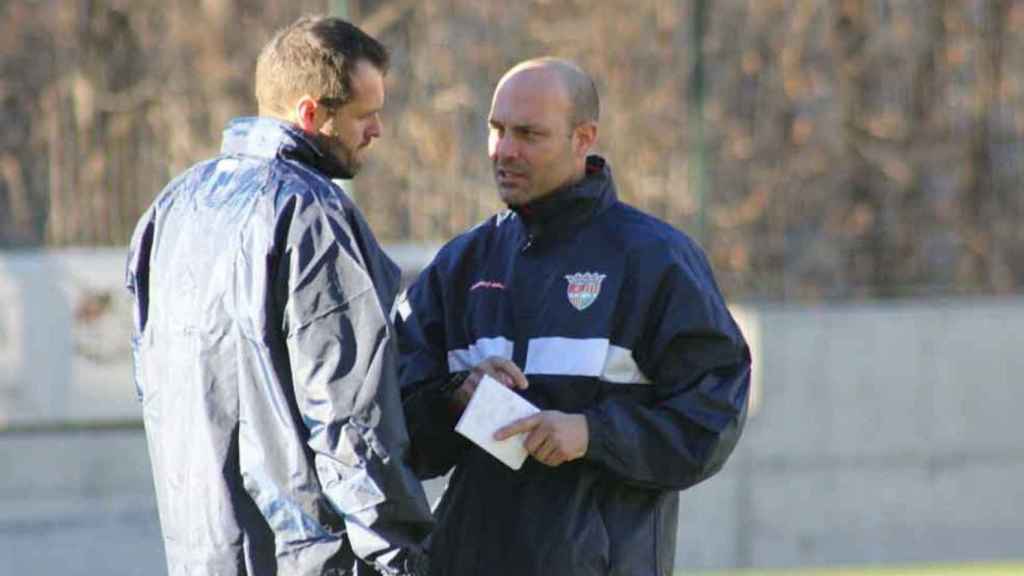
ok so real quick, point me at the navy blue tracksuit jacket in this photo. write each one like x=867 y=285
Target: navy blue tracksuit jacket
x=610 y=313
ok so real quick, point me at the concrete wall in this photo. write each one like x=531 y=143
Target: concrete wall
x=885 y=433
x=879 y=433
x=64 y=326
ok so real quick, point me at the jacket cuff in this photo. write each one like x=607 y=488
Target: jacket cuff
x=453 y=383
x=599 y=444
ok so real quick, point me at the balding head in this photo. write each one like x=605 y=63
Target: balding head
x=543 y=124
x=578 y=85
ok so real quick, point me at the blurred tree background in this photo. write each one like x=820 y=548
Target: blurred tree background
x=818 y=149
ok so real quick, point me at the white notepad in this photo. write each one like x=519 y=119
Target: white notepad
x=491 y=407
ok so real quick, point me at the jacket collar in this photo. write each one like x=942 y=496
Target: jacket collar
x=570 y=207
x=265 y=137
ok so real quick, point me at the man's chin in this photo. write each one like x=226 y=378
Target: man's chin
x=512 y=196
x=348 y=167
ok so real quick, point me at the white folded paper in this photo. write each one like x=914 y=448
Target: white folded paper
x=491 y=407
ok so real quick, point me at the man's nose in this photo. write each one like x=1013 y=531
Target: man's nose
x=376 y=127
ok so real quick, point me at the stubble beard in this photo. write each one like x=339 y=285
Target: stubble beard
x=512 y=195
x=346 y=163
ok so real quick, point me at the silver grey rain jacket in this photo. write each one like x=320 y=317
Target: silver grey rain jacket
x=265 y=364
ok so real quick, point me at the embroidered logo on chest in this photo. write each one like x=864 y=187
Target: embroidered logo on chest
x=583 y=289
x=487 y=284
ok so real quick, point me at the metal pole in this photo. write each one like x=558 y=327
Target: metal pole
x=698 y=143
x=338 y=8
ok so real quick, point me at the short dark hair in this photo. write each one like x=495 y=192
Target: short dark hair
x=315 y=55
x=579 y=87
x=586 y=107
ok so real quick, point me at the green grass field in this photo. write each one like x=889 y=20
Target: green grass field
x=994 y=569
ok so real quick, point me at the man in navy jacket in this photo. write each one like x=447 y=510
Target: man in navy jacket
x=265 y=360
x=607 y=319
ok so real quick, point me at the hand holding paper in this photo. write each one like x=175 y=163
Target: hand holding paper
x=552 y=437
x=492 y=407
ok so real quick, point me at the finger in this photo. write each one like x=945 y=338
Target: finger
x=556 y=457
x=503 y=377
x=491 y=368
x=545 y=450
x=474 y=378
x=508 y=373
x=535 y=443
x=517 y=427
x=516 y=378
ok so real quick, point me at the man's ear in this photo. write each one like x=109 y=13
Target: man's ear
x=307 y=114
x=584 y=138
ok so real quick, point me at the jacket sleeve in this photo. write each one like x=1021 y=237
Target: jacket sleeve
x=436 y=447
x=699 y=364
x=342 y=360
x=137 y=284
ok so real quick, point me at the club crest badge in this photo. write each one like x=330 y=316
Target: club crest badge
x=583 y=289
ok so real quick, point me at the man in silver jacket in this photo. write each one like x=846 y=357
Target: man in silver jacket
x=264 y=358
